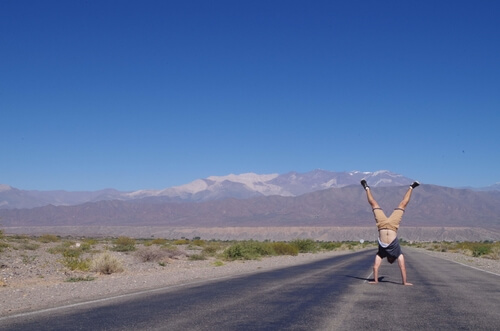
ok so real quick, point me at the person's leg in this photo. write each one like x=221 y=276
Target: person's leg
x=369 y=195
x=402 y=266
x=406 y=199
x=376 y=266
x=407 y=196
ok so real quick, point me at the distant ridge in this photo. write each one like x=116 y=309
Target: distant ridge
x=241 y=186
x=431 y=206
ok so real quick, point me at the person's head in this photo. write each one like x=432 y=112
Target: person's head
x=391 y=259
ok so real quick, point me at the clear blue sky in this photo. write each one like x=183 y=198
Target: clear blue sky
x=152 y=94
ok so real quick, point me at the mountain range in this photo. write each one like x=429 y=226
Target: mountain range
x=212 y=188
x=316 y=199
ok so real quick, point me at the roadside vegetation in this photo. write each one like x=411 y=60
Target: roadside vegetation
x=84 y=257
x=102 y=254
x=483 y=249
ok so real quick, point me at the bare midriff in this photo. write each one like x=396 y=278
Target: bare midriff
x=387 y=236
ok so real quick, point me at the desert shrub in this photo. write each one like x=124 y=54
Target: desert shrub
x=105 y=263
x=90 y=241
x=124 y=244
x=237 y=252
x=72 y=258
x=475 y=249
x=197 y=257
x=350 y=245
x=181 y=242
x=72 y=252
x=76 y=263
x=29 y=246
x=3 y=245
x=80 y=279
x=159 y=241
x=211 y=249
x=487 y=249
x=329 y=245
x=248 y=250
x=305 y=245
x=282 y=248
x=198 y=242
x=48 y=238
x=18 y=237
x=495 y=252
x=481 y=249
x=150 y=254
x=173 y=252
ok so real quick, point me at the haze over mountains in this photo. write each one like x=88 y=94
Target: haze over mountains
x=317 y=199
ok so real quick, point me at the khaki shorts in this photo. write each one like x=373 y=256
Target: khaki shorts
x=391 y=222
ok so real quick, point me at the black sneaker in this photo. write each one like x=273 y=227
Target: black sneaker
x=364 y=184
x=414 y=184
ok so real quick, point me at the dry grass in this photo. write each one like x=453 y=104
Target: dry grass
x=106 y=264
x=152 y=254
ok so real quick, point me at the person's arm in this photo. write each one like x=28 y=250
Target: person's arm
x=401 y=262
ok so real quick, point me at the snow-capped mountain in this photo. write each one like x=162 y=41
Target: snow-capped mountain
x=216 y=187
x=240 y=186
x=250 y=184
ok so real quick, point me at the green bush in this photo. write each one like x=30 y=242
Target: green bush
x=72 y=252
x=76 y=263
x=124 y=244
x=248 y=250
x=237 y=252
x=481 y=249
x=281 y=248
x=329 y=246
x=305 y=245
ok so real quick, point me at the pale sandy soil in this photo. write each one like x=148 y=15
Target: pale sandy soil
x=32 y=279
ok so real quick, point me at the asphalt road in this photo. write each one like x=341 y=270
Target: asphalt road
x=331 y=294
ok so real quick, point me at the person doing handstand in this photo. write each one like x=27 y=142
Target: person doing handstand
x=388 y=242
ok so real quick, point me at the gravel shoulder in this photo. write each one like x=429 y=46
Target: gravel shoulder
x=36 y=279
